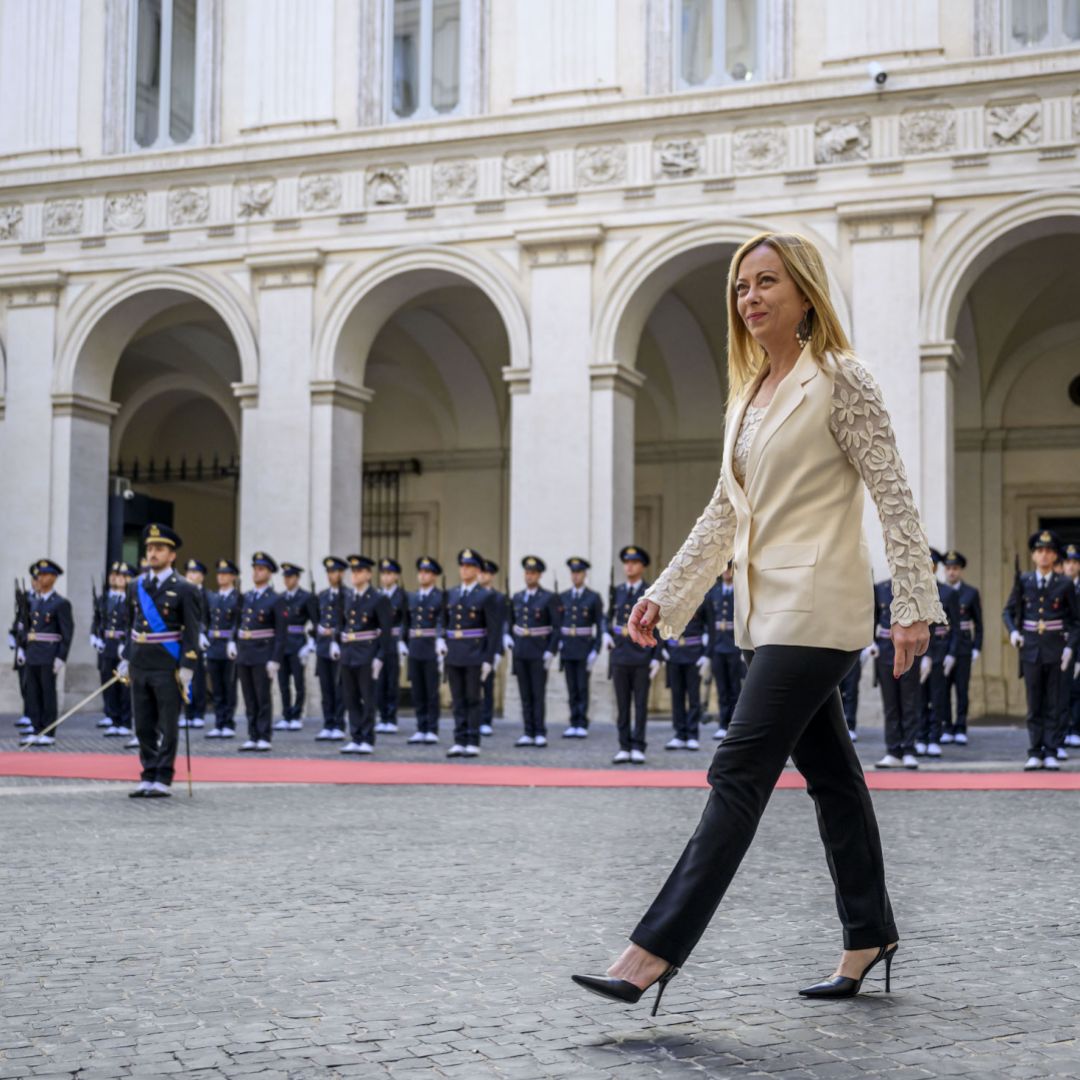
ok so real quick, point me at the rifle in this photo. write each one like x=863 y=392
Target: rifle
x=1018 y=613
x=95 y=619
x=446 y=610
x=22 y=621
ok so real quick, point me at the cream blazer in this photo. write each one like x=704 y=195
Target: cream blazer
x=793 y=530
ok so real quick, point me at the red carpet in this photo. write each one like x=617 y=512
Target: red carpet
x=270 y=770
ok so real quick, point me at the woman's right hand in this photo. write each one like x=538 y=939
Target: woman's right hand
x=643 y=620
x=908 y=642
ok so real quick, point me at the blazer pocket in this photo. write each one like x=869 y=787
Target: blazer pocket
x=785 y=578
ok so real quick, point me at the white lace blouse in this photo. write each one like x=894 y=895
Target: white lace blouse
x=861 y=427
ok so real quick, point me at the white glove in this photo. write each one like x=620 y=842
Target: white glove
x=306 y=649
x=1066 y=658
x=1016 y=639
x=865 y=654
x=97 y=643
x=403 y=650
x=665 y=654
x=485 y=670
x=549 y=659
x=949 y=664
x=272 y=667
x=873 y=651
x=335 y=651
x=496 y=661
x=440 y=647
x=974 y=654
x=702 y=665
x=590 y=660
x=925 y=665
x=609 y=641
x=204 y=641
x=20 y=656
x=376 y=668
x=231 y=650
x=123 y=669
x=654 y=667
x=57 y=666
x=11 y=642
x=186 y=675
x=705 y=642
x=508 y=641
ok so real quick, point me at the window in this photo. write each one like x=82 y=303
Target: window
x=1042 y=24
x=717 y=42
x=163 y=77
x=425 y=67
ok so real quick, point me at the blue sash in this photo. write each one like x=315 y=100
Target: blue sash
x=157 y=623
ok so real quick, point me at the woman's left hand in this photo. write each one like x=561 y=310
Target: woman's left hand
x=908 y=642
x=643 y=620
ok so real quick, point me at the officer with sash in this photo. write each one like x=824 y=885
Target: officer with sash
x=967 y=644
x=298 y=647
x=581 y=634
x=1070 y=693
x=501 y=600
x=48 y=640
x=727 y=662
x=365 y=641
x=686 y=659
x=631 y=666
x=425 y=647
x=1042 y=616
x=160 y=658
x=473 y=630
x=195 y=707
x=260 y=648
x=901 y=698
x=107 y=637
x=389 y=681
x=329 y=611
x=533 y=638
x=223 y=611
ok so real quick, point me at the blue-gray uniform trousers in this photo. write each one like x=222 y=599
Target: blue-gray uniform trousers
x=849 y=695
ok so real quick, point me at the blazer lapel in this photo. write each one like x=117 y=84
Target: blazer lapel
x=789 y=395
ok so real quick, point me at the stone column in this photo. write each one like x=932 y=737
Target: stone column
x=246 y=525
x=938 y=364
x=885 y=274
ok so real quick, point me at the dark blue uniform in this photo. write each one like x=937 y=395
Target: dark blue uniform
x=389 y=681
x=223 y=621
x=900 y=698
x=111 y=626
x=298 y=613
x=365 y=638
x=501 y=608
x=681 y=656
x=1047 y=614
x=968 y=639
x=260 y=639
x=473 y=631
x=534 y=628
x=48 y=639
x=1070 y=720
x=195 y=706
x=424 y=619
x=728 y=667
x=936 y=714
x=581 y=633
x=849 y=695
x=629 y=668
x=330 y=609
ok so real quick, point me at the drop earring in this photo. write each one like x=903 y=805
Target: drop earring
x=802 y=331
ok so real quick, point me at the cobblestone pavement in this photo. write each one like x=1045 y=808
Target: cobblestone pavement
x=315 y=932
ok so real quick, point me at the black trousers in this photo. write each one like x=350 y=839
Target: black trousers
x=532 y=685
x=358 y=692
x=386 y=688
x=487 y=699
x=333 y=704
x=465 y=695
x=938 y=717
x=1072 y=725
x=959 y=680
x=849 y=695
x=631 y=690
x=117 y=699
x=685 y=683
x=789 y=706
x=221 y=675
x=255 y=683
x=577 y=690
x=902 y=703
x=40 y=695
x=424 y=679
x=196 y=707
x=290 y=680
x=22 y=690
x=155 y=701
x=728 y=674
x=1043 y=682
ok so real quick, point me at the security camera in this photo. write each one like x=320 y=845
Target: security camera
x=877 y=73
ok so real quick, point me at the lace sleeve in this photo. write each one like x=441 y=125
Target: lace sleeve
x=861 y=427
x=680 y=589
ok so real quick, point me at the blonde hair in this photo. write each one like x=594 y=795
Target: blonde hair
x=803 y=262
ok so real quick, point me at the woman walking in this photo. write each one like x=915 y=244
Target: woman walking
x=806 y=429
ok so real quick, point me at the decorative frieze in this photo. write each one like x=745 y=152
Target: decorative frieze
x=842 y=140
x=189 y=205
x=125 y=211
x=63 y=217
x=678 y=157
x=1017 y=123
x=387 y=185
x=760 y=149
x=253 y=197
x=526 y=172
x=455 y=180
x=10 y=221
x=927 y=131
x=600 y=164
x=320 y=192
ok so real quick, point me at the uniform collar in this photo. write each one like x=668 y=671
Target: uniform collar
x=225 y=592
x=45 y=596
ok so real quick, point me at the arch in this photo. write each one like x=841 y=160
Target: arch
x=102 y=322
x=1012 y=369
x=639 y=276
x=359 y=304
x=988 y=238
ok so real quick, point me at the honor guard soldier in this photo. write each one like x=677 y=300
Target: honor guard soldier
x=365 y=641
x=389 y=681
x=727 y=662
x=330 y=609
x=298 y=647
x=160 y=658
x=934 y=670
x=581 y=635
x=686 y=659
x=223 y=618
x=48 y=639
x=967 y=644
x=1071 y=690
x=502 y=609
x=107 y=637
x=631 y=667
x=425 y=647
x=195 y=706
x=900 y=698
x=17 y=644
x=1043 y=620
x=260 y=648
x=473 y=627
x=533 y=638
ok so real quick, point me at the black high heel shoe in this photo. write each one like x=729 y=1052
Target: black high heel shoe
x=841 y=986
x=621 y=990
